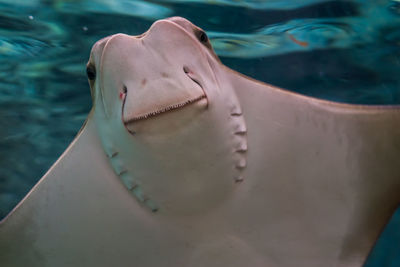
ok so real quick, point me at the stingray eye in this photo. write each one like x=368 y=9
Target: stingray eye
x=203 y=37
x=91 y=72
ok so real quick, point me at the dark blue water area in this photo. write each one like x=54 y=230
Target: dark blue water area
x=386 y=252
x=345 y=51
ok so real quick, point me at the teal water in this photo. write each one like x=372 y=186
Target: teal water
x=346 y=51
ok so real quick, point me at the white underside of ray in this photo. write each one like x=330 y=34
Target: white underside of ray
x=320 y=181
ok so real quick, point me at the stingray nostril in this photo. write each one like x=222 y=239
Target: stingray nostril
x=191 y=75
x=122 y=94
x=186 y=69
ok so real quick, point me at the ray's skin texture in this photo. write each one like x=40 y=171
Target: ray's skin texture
x=184 y=162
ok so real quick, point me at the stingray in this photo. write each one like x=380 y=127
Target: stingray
x=185 y=162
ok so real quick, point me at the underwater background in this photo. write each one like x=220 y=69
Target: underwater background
x=346 y=51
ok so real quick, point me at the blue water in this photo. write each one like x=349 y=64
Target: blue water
x=347 y=51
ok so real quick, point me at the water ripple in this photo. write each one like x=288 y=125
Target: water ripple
x=256 y=4
x=295 y=35
x=143 y=9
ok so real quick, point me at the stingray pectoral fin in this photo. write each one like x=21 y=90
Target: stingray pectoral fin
x=68 y=215
x=321 y=164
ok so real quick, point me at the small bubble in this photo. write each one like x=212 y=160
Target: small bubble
x=84 y=28
x=30 y=17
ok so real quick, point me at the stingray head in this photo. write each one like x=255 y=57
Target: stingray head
x=165 y=70
x=165 y=86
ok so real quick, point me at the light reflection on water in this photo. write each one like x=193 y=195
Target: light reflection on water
x=345 y=51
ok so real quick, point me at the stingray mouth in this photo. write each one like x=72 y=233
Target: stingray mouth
x=148 y=105
x=166 y=109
